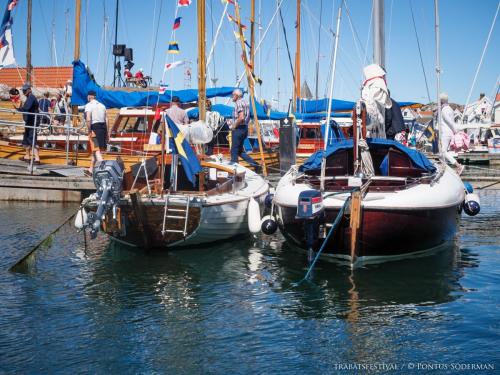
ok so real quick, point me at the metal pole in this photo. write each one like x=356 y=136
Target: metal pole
x=438 y=76
x=201 y=60
x=116 y=40
x=329 y=112
x=378 y=33
x=319 y=46
x=28 y=45
x=296 y=95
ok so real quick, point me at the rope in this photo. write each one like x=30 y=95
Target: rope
x=420 y=53
x=325 y=241
x=482 y=56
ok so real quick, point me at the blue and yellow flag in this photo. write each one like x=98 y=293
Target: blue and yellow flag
x=432 y=136
x=180 y=146
x=173 y=47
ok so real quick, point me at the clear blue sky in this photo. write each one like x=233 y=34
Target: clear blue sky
x=464 y=29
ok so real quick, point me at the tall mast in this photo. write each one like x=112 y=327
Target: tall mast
x=278 y=57
x=252 y=35
x=116 y=41
x=78 y=9
x=297 y=61
x=29 y=67
x=201 y=59
x=438 y=75
x=319 y=46
x=378 y=33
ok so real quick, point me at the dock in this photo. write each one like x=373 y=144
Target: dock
x=478 y=158
x=45 y=183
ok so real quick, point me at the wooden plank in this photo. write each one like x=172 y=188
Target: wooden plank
x=135 y=199
x=22 y=170
x=355 y=222
x=42 y=182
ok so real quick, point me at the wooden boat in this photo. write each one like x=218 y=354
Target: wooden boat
x=217 y=207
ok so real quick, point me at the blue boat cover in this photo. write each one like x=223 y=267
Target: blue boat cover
x=83 y=83
x=227 y=112
x=417 y=158
x=321 y=105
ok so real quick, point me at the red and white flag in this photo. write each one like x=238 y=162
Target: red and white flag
x=184 y=3
x=173 y=64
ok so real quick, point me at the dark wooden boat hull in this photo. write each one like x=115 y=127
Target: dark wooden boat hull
x=382 y=233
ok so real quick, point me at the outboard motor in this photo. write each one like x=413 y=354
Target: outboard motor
x=108 y=179
x=310 y=208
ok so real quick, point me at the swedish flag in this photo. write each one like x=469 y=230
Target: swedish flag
x=180 y=146
x=432 y=136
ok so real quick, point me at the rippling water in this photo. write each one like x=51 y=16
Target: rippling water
x=233 y=308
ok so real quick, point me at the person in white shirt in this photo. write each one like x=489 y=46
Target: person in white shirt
x=448 y=129
x=97 y=122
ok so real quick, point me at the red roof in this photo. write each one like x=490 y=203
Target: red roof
x=49 y=77
x=497 y=99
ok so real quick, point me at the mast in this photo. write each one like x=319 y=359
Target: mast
x=116 y=41
x=252 y=35
x=29 y=67
x=78 y=9
x=438 y=76
x=297 y=61
x=202 y=96
x=378 y=33
x=319 y=46
x=278 y=57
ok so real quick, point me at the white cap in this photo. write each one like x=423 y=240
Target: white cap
x=238 y=92
x=443 y=97
x=373 y=70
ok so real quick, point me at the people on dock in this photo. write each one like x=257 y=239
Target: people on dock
x=95 y=116
x=239 y=129
x=44 y=107
x=447 y=130
x=60 y=110
x=68 y=91
x=177 y=114
x=376 y=97
x=31 y=120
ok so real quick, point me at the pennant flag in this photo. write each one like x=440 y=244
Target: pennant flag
x=177 y=23
x=184 y=3
x=6 y=49
x=180 y=146
x=228 y=1
x=257 y=79
x=232 y=19
x=429 y=133
x=173 y=47
x=173 y=65
x=162 y=89
x=157 y=114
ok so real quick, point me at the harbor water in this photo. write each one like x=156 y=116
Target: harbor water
x=234 y=307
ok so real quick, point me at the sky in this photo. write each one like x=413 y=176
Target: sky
x=464 y=28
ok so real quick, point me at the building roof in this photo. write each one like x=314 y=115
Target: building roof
x=43 y=77
x=497 y=99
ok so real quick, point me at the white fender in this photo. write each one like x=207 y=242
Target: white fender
x=80 y=218
x=253 y=216
x=472 y=197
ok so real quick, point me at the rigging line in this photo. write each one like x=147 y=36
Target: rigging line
x=357 y=40
x=214 y=42
x=44 y=25
x=278 y=8
x=308 y=10
x=482 y=56
x=66 y=36
x=368 y=36
x=390 y=31
x=319 y=47
x=419 y=51
x=155 y=38
x=287 y=47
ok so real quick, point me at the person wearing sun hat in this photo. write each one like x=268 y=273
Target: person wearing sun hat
x=97 y=123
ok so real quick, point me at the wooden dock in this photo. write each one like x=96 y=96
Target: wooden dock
x=46 y=182
x=478 y=158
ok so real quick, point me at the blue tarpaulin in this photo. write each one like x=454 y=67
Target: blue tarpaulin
x=417 y=158
x=83 y=83
x=321 y=105
x=227 y=112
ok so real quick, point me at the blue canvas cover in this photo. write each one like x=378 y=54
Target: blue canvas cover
x=417 y=158
x=83 y=83
x=227 y=112
x=321 y=105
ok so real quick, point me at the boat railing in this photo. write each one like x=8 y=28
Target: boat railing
x=73 y=125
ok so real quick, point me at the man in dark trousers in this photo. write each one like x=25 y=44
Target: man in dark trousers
x=29 y=108
x=394 y=122
x=44 y=107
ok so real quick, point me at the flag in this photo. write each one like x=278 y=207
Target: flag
x=180 y=146
x=157 y=114
x=431 y=135
x=184 y=3
x=6 y=49
x=162 y=89
x=228 y=1
x=177 y=23
x=173 y=47
x=232 y=19
x=173 y=64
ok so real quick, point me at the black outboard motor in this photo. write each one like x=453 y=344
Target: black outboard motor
x=310 y=208
x=108 y=179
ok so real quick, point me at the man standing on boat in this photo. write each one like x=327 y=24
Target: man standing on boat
x=97 y=122
x=30 y=121
x=239 y=129
x=447 y=131
x=177 y=114
x=376 y=97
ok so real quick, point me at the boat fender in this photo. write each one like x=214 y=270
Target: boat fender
x=472 y=204
x=468 y=187
x=268 y=225
x=268 y=200
x=80 y=218
x=253 y=216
